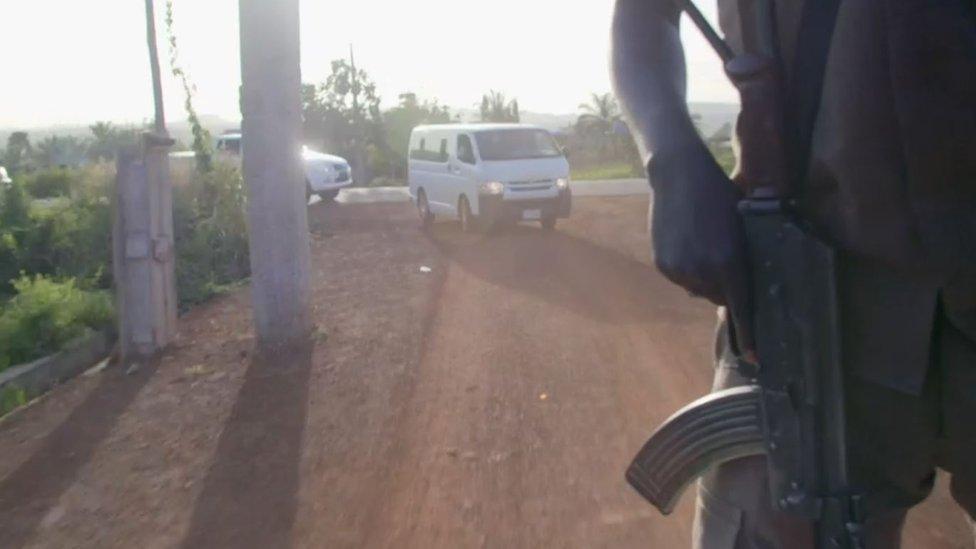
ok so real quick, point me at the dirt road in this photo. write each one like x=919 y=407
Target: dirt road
x=491 y=402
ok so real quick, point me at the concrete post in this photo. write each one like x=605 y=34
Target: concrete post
x=161 y=217
x=143 y=258
x=277 y=215
x=131 y=257
x=143 y=255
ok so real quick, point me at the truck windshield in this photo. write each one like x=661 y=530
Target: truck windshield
x=516 y=144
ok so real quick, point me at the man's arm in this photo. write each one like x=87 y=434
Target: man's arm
x=649 y=74
x=697 y=233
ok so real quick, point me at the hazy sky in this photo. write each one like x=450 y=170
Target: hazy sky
x=77 y=61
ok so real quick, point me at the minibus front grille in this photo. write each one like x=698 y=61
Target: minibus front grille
x=534 y=185
x=524 y=188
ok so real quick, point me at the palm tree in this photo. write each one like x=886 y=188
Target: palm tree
x=600 y=123
x=599 y=115
x=104 y=140
x=495 y=108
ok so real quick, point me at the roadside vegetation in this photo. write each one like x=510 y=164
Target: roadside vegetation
x=56 y=247
x=45 y=314
x=56 y=232
x=210 y=222
x=55 y=228
x=618 y=170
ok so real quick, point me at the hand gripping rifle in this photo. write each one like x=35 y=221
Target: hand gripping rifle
x=793 y=411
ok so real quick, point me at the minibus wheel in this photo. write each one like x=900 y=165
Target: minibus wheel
x=548 y=223
x=423 y=210
x=464 y=214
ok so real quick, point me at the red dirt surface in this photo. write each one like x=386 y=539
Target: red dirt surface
x=492 y=402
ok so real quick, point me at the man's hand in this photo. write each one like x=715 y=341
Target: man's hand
x=697 y=233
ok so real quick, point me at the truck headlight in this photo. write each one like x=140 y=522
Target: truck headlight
x=493 y=187
x=562 y=184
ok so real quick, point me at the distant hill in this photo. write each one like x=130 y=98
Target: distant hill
x=713 y=117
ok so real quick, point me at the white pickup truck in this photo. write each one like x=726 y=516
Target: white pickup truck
x=325 y=174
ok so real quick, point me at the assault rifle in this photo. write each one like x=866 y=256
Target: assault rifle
x=793 y=411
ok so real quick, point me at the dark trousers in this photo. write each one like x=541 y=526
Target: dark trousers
x=896 y=441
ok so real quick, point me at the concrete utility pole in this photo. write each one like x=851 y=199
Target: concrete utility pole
x=158 y=144
x=277 y=206
x=160 y=120
x=142 y=232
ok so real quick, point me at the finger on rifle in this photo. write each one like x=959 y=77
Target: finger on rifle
x=739 y=303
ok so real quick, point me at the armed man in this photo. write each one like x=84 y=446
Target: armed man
x=842 y=252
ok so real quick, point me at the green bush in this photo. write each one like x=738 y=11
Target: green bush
x=45 y=314
x=11 y=398
x=49 y=183
x=69 y=238
x=210 y=222
x=63 y=237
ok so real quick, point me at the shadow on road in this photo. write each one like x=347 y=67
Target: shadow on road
x=563 y=270
x=249 y=495
x=28 y=493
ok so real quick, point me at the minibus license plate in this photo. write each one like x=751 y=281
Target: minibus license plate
x=531 y=214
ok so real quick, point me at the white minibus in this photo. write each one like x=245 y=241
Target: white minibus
x=486 y=174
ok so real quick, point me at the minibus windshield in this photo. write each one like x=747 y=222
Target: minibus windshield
x=516 y=144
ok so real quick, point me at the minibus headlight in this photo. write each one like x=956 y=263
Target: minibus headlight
x=494 y=187
x=562 y=184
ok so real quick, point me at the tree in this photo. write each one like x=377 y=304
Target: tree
x=14 y=209
x=108 y=139
x=402 y=119
x=598 y=124
x=601 y=128
x=599 y=115
x=19 y=152
x=343 y=115
x=495 y=108
x=56 y=150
